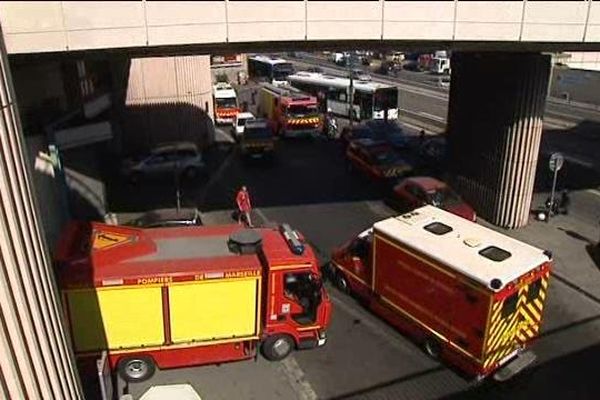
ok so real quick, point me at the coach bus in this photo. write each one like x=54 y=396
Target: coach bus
x=272 y=70
x=372 y=100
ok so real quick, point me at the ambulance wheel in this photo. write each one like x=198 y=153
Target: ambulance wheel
x=432 y=348
x=136 y=369
x=277 y=347
x=340 y=281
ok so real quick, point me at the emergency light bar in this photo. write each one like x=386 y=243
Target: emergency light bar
x=292 y=239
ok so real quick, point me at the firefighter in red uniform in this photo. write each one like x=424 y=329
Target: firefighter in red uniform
x=244 y=206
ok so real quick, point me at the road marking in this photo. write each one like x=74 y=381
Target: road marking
x=578 y=161
x=431 y=116
x=594 y=192
x=262 y=215
x=216 y=176
x=297 y=379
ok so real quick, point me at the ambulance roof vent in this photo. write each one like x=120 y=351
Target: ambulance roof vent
x=292 y=238
x=246 y=241
x=472 y=242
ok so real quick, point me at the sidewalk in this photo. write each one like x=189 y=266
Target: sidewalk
x=572 y=244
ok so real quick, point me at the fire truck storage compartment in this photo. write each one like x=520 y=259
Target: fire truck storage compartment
x=116 y=317
x=133 y=316
x=214 y=309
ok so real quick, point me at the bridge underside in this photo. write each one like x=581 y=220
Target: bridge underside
x=322 y=45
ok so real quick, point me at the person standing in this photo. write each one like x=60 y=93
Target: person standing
x=244 y=206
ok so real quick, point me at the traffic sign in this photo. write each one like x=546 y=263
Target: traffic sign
x=556 y=161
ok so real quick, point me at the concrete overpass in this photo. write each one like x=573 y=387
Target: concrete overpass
x=494 y=127
x=59 y=26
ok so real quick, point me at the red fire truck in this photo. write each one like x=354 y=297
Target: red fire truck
x=225 y=103
x=174 y=297
x=471 y=296
x=292 y=112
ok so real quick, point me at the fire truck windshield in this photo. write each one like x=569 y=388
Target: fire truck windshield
x=226 y=103
x=299 y=110
x=304 y=288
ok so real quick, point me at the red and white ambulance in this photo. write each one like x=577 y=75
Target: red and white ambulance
x=470 y=295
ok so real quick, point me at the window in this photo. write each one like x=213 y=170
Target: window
x=415 y=191
x=437 y=228
x=534 y=290
x=157 y=159
x=510 y=305
x=495 y=253
x=361 y=248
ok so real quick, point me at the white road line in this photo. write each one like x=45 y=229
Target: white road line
x=216 y=176
x=594 y=192
x=297 y=379
x=578 y=161
x=262 y=215
x=431 y=116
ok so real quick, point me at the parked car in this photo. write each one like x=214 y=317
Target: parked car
x=357 y=131
x=258 y=140
x=178 y=158
x=239 y=122
x=314 y=69
x=390 y=131
x=417 y=191
x=376 y=159
x=432 y=152
x=360 y=75
x=168 y=217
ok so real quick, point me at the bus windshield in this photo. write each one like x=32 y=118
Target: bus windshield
x=281 y=71
x=385 y=99
x=301 y=110
x=229 y=102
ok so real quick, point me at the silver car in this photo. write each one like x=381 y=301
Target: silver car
x=177 y=159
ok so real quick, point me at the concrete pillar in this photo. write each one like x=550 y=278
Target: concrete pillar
x=495 y=117
x=35 y=357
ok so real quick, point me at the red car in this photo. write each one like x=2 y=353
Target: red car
x=377 y=159
x=418 y=191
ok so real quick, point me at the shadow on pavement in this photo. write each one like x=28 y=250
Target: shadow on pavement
x=372 y=389
x=582 y=143
x=573 y=376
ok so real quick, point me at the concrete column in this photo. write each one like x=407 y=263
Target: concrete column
x=495 y=117
x=35 y=357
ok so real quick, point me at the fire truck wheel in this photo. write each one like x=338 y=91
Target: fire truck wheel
x=432 y=348
x=277 y=347
x=136 y=369
x=341 y=282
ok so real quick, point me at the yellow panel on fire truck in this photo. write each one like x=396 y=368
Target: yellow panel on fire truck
x=115 y=318
x=214 y=309
x=126 y=287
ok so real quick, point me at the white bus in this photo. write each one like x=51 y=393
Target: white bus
x=371 y=99
x=272 y=70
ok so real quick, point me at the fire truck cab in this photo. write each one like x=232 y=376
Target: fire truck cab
x=292 y=112
x=225 y=103
x=470 y=295
x=175 y=297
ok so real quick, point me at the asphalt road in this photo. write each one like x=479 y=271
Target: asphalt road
x=309 y=187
